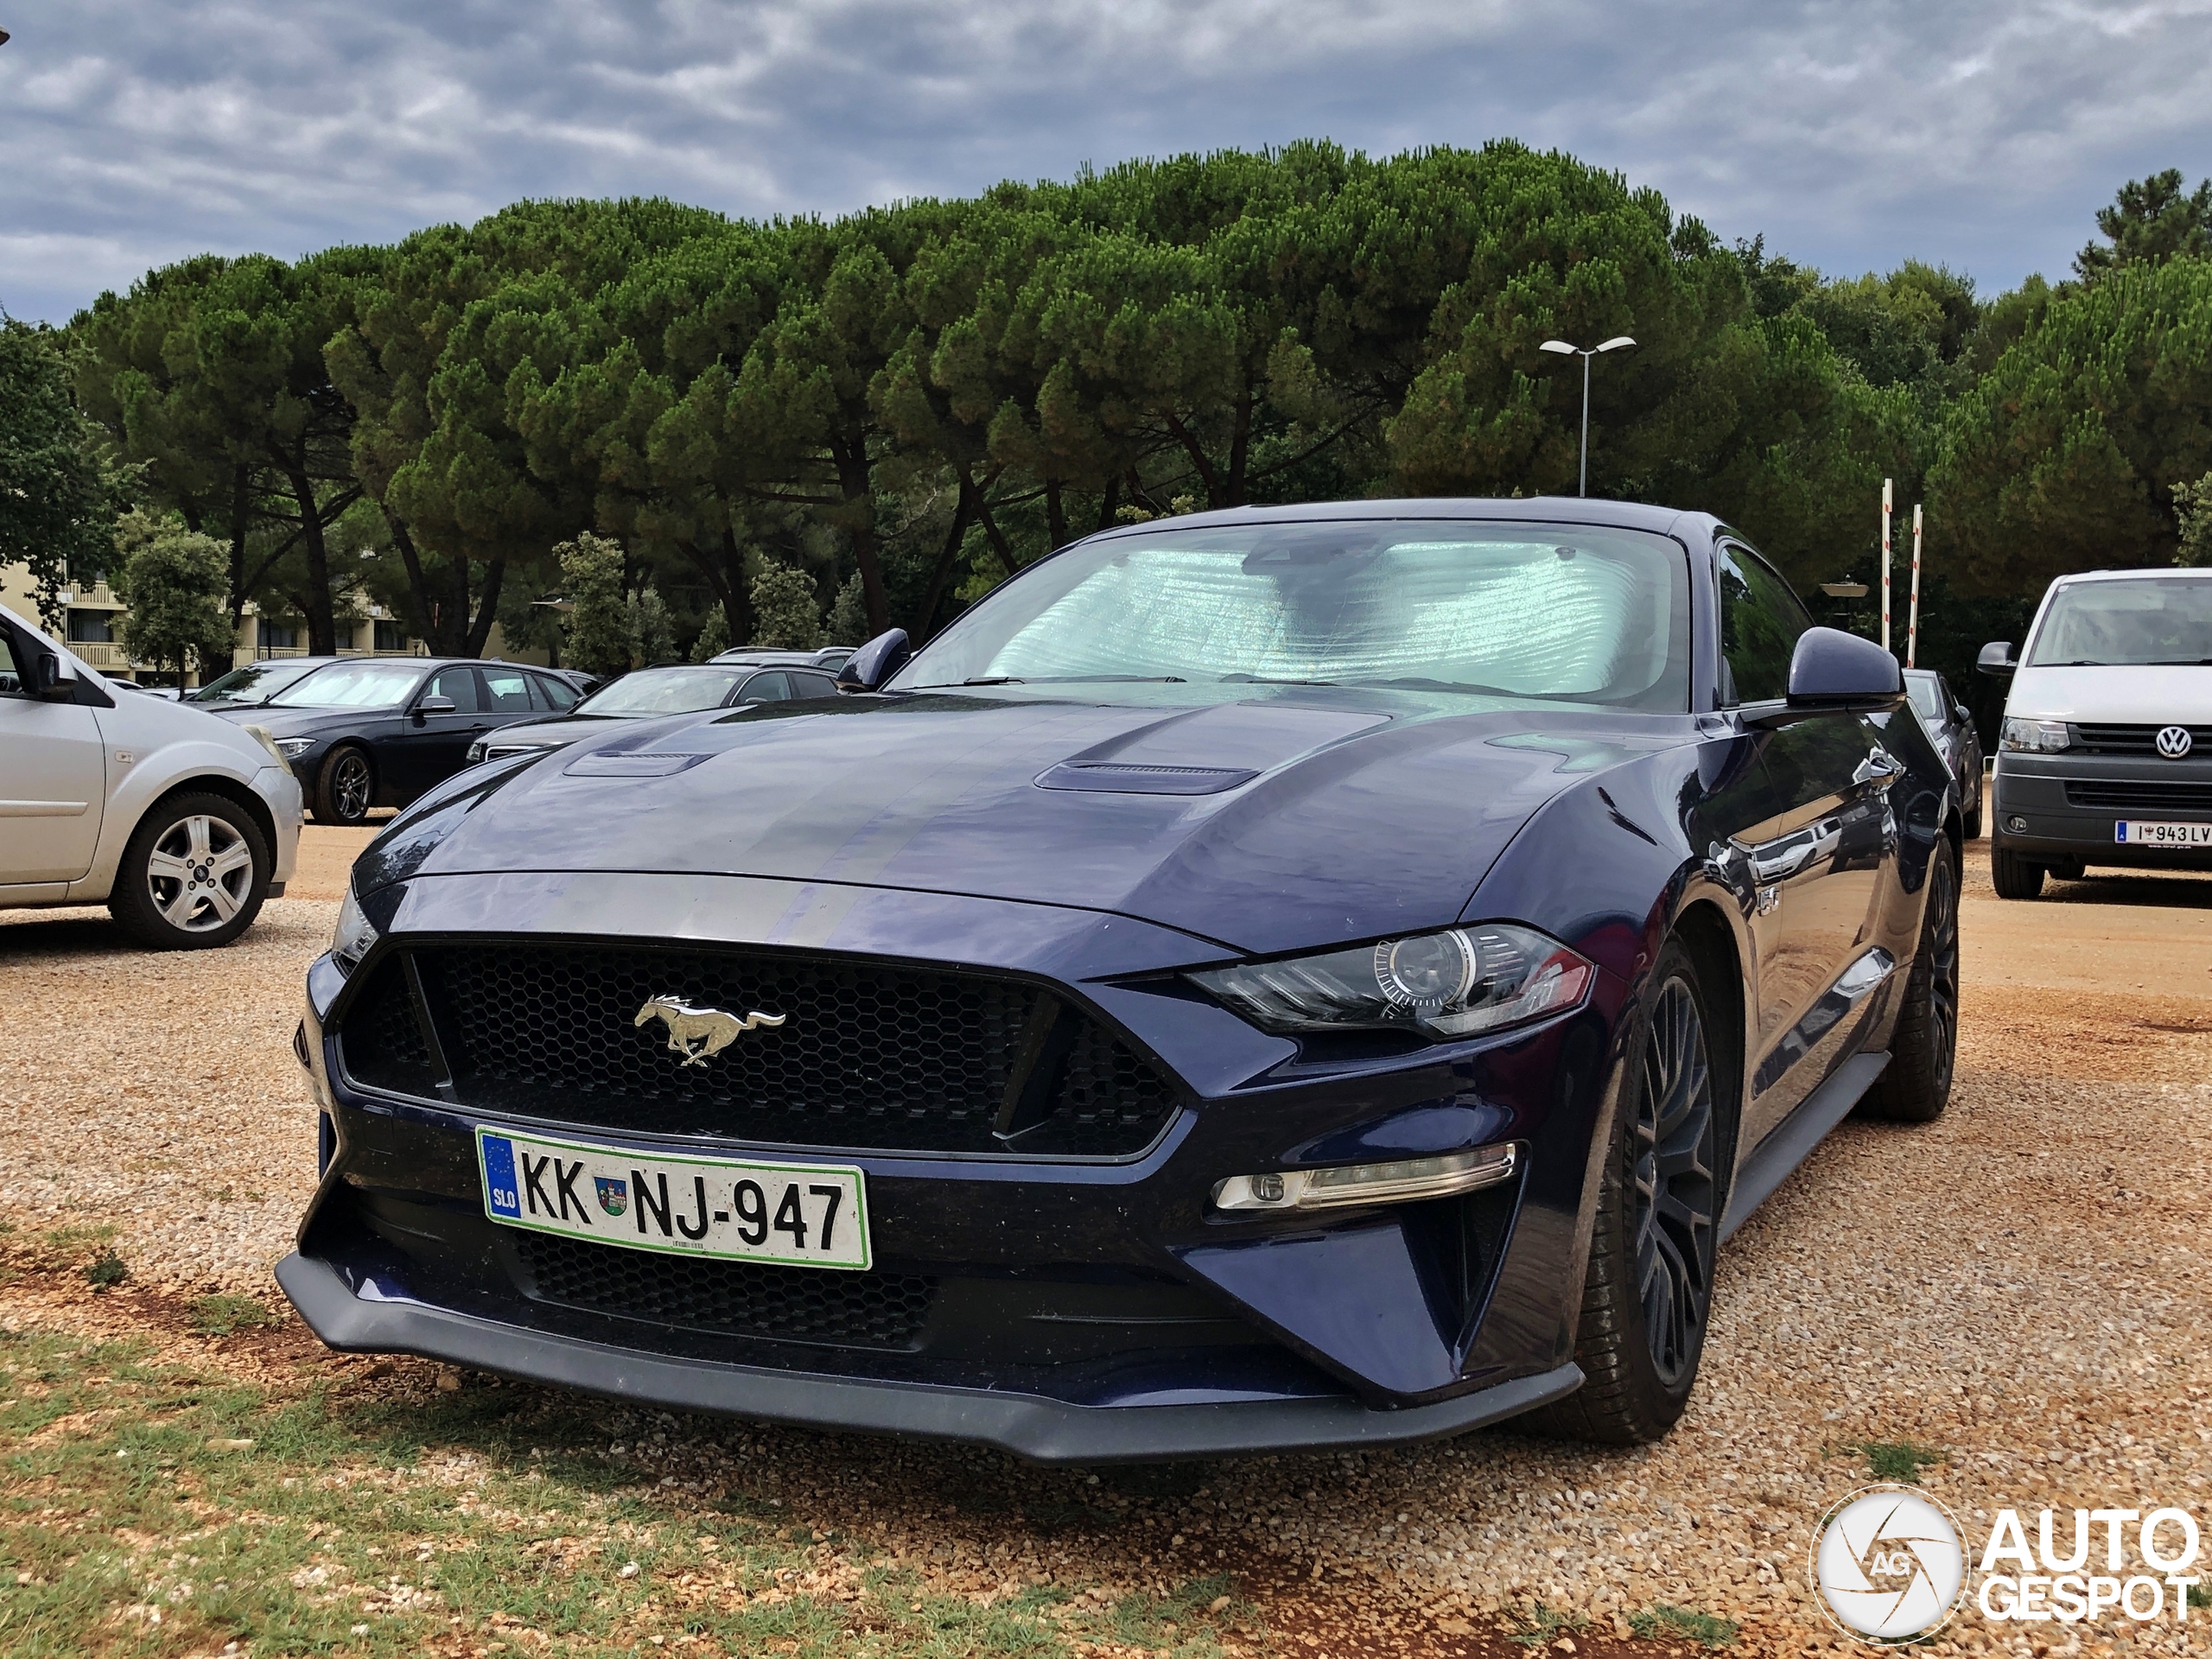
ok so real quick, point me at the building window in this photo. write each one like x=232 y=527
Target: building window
x=91 y=628
x=276 y=637
x=391 y=636
x=341 y=636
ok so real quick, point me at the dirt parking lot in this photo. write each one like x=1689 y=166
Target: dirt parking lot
x=2013 y=1300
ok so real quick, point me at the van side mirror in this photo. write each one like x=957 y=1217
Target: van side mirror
x=1996 y=659
x=1833 y=672
x=875 y=662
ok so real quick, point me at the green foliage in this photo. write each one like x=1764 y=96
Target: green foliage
x=2193 y=512
x=713 y=637
x=176 y=582
x=1900 y=1461
x=652 y=626
x=786 y=612
x=849 y=616
x=2064 y=456
x=223 y=1314
x=1662 y=1622
x=601 y=630
x=106 y=1271
x=57 y=500
x=2149 y=222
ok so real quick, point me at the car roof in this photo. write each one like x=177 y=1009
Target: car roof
x=760 y=659
x=2146 y=574
x=1540 y=509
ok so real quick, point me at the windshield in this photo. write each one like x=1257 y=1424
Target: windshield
x=1926 y=702
x=2134 y=622
x=1517 y=611
x=255 y=682
x=664 y=691
x=351 y=685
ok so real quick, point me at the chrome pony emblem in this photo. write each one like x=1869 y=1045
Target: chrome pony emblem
x=2174 y=742
x=699 y=1034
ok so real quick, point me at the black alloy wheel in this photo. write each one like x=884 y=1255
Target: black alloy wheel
x=345 y=787
x=1916 y=1085
x=1647 y=1295
x=1670 y=1173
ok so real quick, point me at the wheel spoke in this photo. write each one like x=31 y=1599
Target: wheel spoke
x=177 y=910
x=195 y=829
x=168 y=867
x=224 y=902
x=236 y=856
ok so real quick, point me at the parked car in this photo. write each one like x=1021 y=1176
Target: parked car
x=257 y=682
x=2105 y=757
x=1214 y=999
x=651 y=693
x=179 y=823
x=831 y=658
x=365 y=731
x=1950 y=728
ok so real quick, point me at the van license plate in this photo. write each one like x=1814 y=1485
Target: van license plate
x=2163 y=834
x=801 y=1215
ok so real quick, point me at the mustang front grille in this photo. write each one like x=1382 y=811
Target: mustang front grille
x=866 y=1055
x=750 y=1298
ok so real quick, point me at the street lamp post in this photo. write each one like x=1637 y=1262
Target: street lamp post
x=1585 y=354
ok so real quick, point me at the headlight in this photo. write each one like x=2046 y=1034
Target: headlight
x=1453 y=983
x=293 y=747
x=2033 y=736
x=260 y=735
x=354 y=935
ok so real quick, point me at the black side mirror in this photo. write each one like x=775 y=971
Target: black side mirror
x=1996 y=659
x=429 y=706
x=48 y=681
x=1834 y=672
x=875 y=662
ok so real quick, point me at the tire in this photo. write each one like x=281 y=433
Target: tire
x=193 y=875
x=1916 y=1085
x=1648 y=1296
x=344 y=787
x=2013 y=876
x=1971 y=823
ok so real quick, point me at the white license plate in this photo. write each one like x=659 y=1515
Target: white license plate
x=802 y=1215
x=2163 y=834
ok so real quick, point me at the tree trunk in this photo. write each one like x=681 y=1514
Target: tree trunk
x=993 y=534
x=418 y=590
x=1056 y=515
x=241 y=508
x=1240 y=451
x=1200 y=461
x=737 y=598
x=322 y=628
x=853 y=480
x=1109 y=499
x=488 y=606
x=962 y=514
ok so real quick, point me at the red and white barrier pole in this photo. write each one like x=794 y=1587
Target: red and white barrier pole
x=1912 y=624
x=1885 y=564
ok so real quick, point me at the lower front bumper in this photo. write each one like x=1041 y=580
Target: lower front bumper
x=1042 y=1430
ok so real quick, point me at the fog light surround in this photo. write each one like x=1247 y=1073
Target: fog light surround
x=1401 y=1180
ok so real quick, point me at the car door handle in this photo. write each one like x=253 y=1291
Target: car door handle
x=1880 y=769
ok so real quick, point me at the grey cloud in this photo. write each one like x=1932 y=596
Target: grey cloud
x=1981 y=133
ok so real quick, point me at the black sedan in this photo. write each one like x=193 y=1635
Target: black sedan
x=1950 y=728
x=378 y=731
x=728 y=681
x=1262 y=979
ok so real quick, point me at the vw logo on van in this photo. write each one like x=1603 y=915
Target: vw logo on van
x=2174 y=742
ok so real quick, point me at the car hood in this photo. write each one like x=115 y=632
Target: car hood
x=297 y=722
x=2119 y=696
x=1277 y=823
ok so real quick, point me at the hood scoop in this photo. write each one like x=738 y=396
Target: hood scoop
x=1113 y=778
x=615 y=763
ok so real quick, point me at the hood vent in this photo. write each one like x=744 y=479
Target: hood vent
x=1129 y=779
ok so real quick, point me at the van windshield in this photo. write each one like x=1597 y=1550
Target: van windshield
x=2139 y=622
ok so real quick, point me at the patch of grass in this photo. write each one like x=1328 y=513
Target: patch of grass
x=442 y=1523
x=1661 y=1622
x=105 y=1270
x=1544 y=1626
x=1900 y=1460
x=2200 y=1595
x=221 y=1314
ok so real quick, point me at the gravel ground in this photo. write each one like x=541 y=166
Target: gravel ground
x=2021 y=1287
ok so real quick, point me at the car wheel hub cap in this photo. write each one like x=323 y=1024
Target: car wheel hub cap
x=1670 y=1155
x=198 y=874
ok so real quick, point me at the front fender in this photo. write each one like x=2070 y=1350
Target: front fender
x=172 y=766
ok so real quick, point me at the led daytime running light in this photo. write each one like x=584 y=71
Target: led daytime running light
x=1402 y=1181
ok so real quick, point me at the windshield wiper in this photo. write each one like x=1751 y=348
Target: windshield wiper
x=995 y=679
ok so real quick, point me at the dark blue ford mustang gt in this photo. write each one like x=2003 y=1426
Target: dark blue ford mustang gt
x=1264 y=979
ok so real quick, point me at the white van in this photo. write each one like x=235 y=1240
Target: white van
x=180 y=822
x=2106 y=755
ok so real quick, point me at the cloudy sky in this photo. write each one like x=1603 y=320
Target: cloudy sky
x=1983 y=133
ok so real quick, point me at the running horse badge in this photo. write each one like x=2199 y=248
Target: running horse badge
x=698 y=1034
